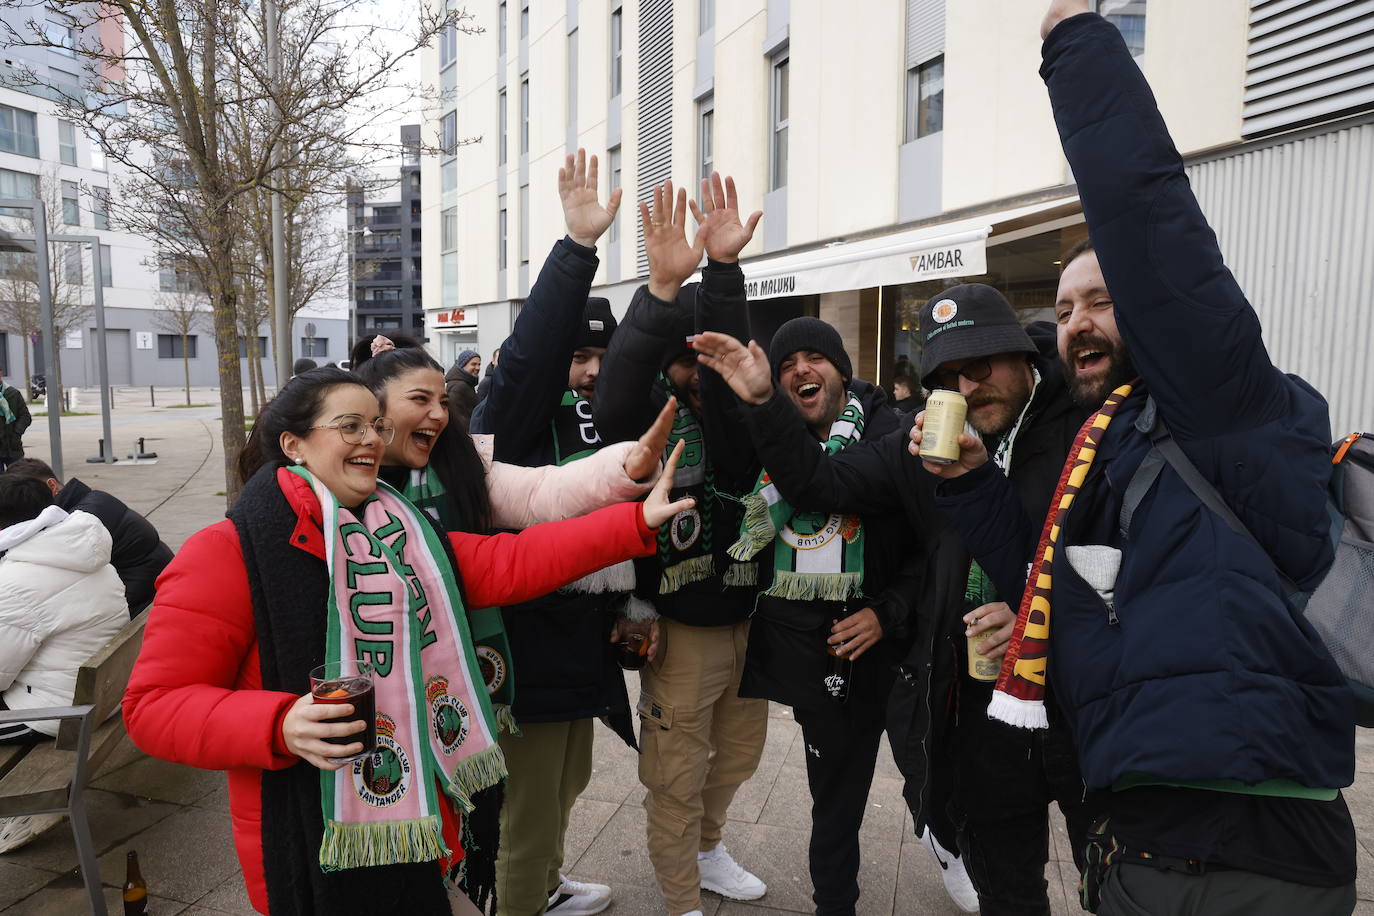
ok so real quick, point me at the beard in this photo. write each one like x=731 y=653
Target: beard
x=1007 y=406
x=1090 y=392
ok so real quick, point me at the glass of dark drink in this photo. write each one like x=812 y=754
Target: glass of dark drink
x=632 y=651
x=349 y=681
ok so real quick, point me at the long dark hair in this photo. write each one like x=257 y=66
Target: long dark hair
x=454 y=458
x=293 y=410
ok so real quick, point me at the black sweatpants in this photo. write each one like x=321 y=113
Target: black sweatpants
x=1005 y=780
x=841 y=751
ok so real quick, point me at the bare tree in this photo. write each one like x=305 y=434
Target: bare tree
x=163 y=106
x=180 y=312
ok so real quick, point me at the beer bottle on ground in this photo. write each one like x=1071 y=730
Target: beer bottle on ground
x=135 y=889
x=838 y=673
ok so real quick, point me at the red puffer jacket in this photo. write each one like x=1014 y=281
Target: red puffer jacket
x=195 y=696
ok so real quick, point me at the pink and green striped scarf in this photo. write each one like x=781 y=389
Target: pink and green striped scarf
x=394 y=602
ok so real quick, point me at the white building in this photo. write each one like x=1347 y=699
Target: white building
x=37 y=149
x=900 y=146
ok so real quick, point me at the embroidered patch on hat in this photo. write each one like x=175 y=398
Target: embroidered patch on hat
x=944 y=310
x=596 y=324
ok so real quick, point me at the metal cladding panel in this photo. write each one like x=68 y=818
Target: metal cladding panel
x=654 y=155
x=1307 y=61
x=925 y=30
x=1293 y=221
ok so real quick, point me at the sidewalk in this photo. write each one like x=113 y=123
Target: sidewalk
x=177 y=817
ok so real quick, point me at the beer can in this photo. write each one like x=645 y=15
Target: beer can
x=944 y=421
x=980 y=667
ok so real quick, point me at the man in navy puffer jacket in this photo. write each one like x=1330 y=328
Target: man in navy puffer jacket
x=1202 y=704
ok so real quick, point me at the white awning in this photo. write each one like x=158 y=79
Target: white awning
x=953 y=249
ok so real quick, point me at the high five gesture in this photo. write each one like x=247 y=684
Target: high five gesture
x=671 y=258
x=586 y=219
x=719 y=215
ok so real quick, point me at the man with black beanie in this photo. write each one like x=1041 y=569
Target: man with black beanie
x=699 y=739
x=566 y=675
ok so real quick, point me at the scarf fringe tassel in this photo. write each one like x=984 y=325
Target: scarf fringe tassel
x=741 y=574
x=472 y=774
x=1018 y=712
x=354 y=845
x=694 y=570
x=756 y=528
x=505 y=721
x=795 y=586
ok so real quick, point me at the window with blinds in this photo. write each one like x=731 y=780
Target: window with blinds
x=654 y=156
x=1307 y=62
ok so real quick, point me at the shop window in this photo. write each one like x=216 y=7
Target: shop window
x=169 y=346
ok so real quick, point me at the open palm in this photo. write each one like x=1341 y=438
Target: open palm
x=586 y=219
x=671 y=259
x=719 y=214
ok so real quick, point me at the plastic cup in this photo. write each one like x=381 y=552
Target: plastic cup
x=349 y=681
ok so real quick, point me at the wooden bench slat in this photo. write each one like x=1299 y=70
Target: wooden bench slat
x=47 y=769
x=100 y=682
x=10 y=755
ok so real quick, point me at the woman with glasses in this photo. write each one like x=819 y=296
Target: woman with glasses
x=319 y=562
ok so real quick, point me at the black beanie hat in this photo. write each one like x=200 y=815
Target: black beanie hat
x=598 y=324
x=681 y=325
x=809 y=334
x=967 y=321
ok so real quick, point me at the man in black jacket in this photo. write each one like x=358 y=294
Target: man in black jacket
x=839 y=589
x=1001 y=778
x=565 y=669
x=14 y=419
x=137 y=554
x=699 y=739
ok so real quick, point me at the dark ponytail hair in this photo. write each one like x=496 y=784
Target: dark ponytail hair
x=293 y=410
x=454 y=458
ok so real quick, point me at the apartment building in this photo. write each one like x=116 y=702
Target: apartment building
x=384 y=229
x=42 y=155
x=898 y=147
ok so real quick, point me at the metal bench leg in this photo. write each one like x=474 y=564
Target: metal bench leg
x=85 y=853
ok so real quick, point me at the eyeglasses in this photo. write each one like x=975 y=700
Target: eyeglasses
x=975 y=370
x=353 y=429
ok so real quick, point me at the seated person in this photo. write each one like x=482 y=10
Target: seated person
x=138 y=554
x=60 y=601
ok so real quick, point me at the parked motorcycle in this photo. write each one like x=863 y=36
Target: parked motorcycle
x=38 y=387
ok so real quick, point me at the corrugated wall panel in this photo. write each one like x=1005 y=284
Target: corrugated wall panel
x=1306 y=62
x=925 y=30
x=1294 y=222
x=654 y=155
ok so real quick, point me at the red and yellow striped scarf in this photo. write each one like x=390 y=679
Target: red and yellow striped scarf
x=1019 y=696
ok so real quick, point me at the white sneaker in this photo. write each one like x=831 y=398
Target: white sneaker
x=721 y=874
x=957 y=882
x=694 y=913
x=578 y=898
x=20 y=831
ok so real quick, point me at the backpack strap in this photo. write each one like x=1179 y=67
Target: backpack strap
x=1164 y=448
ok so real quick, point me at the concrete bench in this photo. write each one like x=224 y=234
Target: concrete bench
x=49 y=778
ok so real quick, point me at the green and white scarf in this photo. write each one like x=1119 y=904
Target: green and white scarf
x=815 y=556
x=489 y=641
x=393 y=601
x=574 y=433
x=6 y=412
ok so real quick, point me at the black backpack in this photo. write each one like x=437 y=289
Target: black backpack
x=1341 y=607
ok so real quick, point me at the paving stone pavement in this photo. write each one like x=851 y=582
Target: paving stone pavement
x=177 y=817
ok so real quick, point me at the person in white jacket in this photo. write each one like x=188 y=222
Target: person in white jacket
x=60 y=601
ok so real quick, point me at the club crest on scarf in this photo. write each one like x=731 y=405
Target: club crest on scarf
x=382 y=778
x=449 y=718
x=494 y=668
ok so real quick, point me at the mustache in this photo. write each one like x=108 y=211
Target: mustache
x=1091 y=342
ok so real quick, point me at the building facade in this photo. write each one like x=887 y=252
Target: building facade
x=46 y=157
x=384 y=229
x=901 y=151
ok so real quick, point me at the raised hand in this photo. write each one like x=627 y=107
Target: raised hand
x=671 y=259
x=656 y=507
x=586 y=219
x=745 y=370
x=727 y=236
x=1059 y=11
x=641 y=463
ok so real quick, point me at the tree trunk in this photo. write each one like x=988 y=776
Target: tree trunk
x=249 y=351
x=262 y=378
x=186 y=367
x=28 y=376
x=224 y=306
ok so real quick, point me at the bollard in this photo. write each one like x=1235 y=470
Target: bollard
x=152 y=396
x=112 y=397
